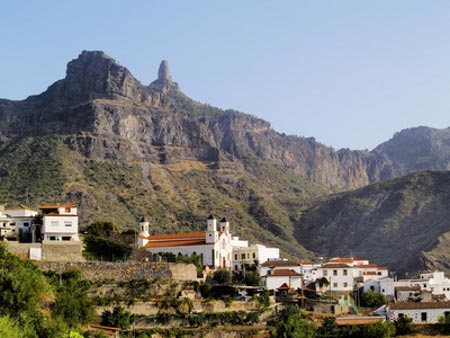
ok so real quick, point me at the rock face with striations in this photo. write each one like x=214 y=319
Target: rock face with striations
x=99 y=96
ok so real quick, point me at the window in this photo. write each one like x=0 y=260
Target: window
x=401 y=315
x=235 y=257
x=26 y=224
x=335 y=285
x=325 y=273
x=66 y=238
x=379 y=273
x=254 y=255
x=345 y=285
x=54 y=224
x=67 y=224
x=243 y=256
x=236 y=268
x=372 y=288
x=423 y=316
x=345 y=272
x=334 y=272
x=67 y=210
x=51 y=238
x=424 y=285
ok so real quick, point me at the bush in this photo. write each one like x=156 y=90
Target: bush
x=372 y=299
x=403 y=325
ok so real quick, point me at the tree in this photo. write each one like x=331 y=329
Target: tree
x=444 y=324
x=117 y=318
x=372 y=299
x=9 y=328
x=403 y=325
x=101 y=228
x=296 y=327
x=72 y=300
x=222 y=276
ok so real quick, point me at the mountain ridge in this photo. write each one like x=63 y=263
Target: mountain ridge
x=121 y=149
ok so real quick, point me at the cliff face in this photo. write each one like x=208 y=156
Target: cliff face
x=106 y=113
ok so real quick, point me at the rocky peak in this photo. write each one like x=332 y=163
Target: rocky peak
x=163 y=72
x=94 y=74
x=164 y=80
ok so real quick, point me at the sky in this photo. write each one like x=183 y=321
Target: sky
x=348 y=73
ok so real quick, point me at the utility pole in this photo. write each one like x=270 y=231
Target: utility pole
x=301 y=286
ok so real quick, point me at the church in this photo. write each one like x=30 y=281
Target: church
x=214 y=246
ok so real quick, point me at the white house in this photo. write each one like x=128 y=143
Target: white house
x=419 y=312
x=6 y=229
x=276 y=278
x=251 y=254
x=339 y=276
x=213 y=246
x=59 y=222
x=23 y=218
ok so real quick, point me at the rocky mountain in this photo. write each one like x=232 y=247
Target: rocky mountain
x=403 y=223
x=121 y=149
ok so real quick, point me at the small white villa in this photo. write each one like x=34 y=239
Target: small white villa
x=59 y=222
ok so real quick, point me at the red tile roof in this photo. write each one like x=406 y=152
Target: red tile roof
x=175 y=243
x=56 y=206
x=172 y=237
x=419 y=305
x=369 y=273
x=359 y=320
x=335 y=265
x=279 y=262
x=283 y=272
x=366 y=266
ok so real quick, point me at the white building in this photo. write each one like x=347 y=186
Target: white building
x=6 y=229
x=419 y=312
x=343 y=274
x=213 y=246
x=276 y=278
x=23 y=218
x=59 y=222
x=251 y=254
x=339 y=276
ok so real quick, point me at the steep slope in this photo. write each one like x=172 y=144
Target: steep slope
x=402 y=223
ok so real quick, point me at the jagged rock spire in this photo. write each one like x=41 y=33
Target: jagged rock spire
x=164 y=81
x=163 y=72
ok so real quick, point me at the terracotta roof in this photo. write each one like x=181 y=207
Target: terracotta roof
x=419 y=305
x=408 y=288
x=283 y=272
x=175 y=243
x=366 y=266
x=382 y=268
x=56 y=206
x=280 y=262
x=172 y=237
x=334 y=265
x=359 y=320
x=369 y=273
x=52 y=214
x=284 y=286
x=344 y=260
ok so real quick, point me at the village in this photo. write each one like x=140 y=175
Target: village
x=337 y=286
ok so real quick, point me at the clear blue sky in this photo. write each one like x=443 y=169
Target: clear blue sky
x=349 y=73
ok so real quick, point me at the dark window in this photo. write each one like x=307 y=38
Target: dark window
x=334 y=272
x=26 y=224
x=423 y=316
x=66 y=238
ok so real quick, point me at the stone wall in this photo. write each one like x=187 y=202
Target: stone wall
x=21 y=249
x=57 y=251
x=119 y=271
x=53 y=251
